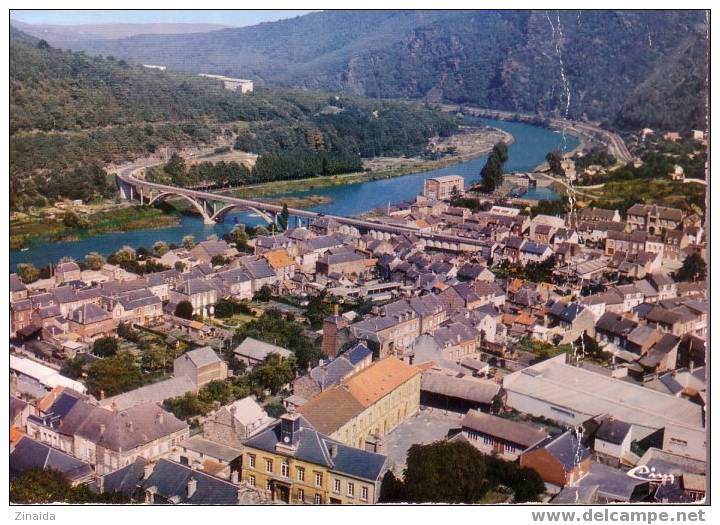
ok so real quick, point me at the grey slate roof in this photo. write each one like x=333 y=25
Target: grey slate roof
x=202 y=356
x=512 y=431
x=30 y=454
x=16 y=285
x=565 y=448
x=470 y=389
x=613 y=431
x=259 y=350
x=89 y=313
x=314 y=447
x=357 y=353
x=210 y=448
x=171 y=479
x=119 y=430
x=152 y=393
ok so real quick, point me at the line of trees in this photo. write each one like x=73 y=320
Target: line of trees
x=491 y=174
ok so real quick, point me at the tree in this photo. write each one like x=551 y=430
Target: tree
x=445 y=472
x=693 y=269
x=492 y=173
x=264 y=294
x=94 y=261
x=105 y=347
x=184 y=309
x=180 y=266
x=124 y=255
x=392 y=489
x=188 y=242
x=274 y=372
x=284 y=218
x=318 y=309
x=114 y=375
x=27 y=273
x=160 y=248
x=554 y=160
x=219 y=260
x=36 y=486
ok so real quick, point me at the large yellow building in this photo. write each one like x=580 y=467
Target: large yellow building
x=367 y=405
x=293 y=463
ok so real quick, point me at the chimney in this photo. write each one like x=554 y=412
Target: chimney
x=102 y=428
x=235 y=477
x=336 y=310
x=148 y=470
x=102 y=395
x=333 y=451
x=191 y=487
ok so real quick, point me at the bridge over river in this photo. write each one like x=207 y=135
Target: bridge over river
x=213 y=207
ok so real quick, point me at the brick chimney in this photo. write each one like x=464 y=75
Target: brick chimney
x=331 y=326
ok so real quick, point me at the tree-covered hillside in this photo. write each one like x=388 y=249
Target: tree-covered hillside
x=71 y=113
x=627 y=69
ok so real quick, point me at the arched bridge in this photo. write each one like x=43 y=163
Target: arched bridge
x=213 y=207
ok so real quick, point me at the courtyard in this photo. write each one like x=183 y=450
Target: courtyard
x=427 y=426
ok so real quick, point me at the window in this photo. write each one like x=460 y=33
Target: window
x=487 y=440
x=284 y=469
x=268 y=465
x=364 y=494
x=268 y=484
x=301 y=474
x=301 y=495
x=336 y=486
x=251 y=480
x=251 y=460
x=318 y=479
x=351 y=490
x=318 y=499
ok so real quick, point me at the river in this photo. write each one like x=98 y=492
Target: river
x=528 y=150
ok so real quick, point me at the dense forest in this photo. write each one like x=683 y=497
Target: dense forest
x=627 y=69
x=72 y=114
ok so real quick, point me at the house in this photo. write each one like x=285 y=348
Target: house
x=495 y=435
x=592 y=214
x=234 y=423
x=612 y=328
x=135 y=307
x=28 y=454
x=443 y=188
x=389 y=334
x=343 y=263
x=560 y=460
x=571 y=320
x=167 y=482
x=67 y=272
x=602 y=485
x=201 y=365
x=653 y=219
x=282 y=264
x=107 y=439
x=259 y=270
x=612 y=443
x=367 y=405
x=328 y=374
x=205 y=251
x=237 y=282
x=208 y=456
x=291 y=462
x=198 y=292
x=251 y=352
x=18 y=290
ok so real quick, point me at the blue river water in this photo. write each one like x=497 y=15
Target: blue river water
x=531 y=144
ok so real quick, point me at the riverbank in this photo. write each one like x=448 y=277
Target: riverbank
x=26 y=228
x=469 y=144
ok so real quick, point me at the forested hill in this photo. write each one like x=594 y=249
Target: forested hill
x=71 y=114
x=628 y=69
